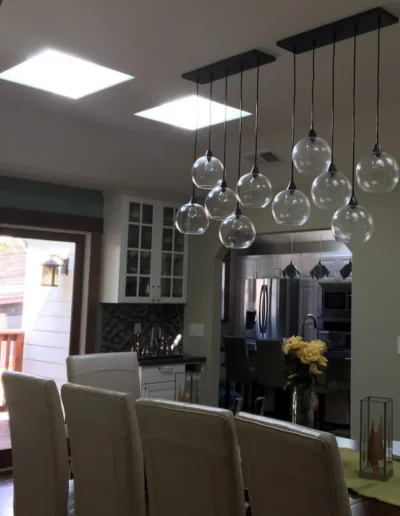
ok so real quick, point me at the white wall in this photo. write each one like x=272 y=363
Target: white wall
x=47 y=312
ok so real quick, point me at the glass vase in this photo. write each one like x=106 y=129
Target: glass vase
x=303 y=405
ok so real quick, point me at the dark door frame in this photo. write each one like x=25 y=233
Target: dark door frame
x=66 y=228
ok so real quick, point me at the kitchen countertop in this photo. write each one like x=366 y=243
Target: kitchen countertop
x=184 y=359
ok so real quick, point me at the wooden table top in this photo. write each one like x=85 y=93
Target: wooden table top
x=361 y=506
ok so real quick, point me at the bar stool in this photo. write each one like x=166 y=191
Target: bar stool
x=238 y=369
x=272 y=374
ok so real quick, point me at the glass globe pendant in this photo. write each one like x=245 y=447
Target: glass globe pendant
x=207 y=171
x=377 y=171
x=331 y=190
x=221 y=201
x=254 y=190
x=312 y=155
x=291 y=206
x=237 y=231
x=191 y=218
x=352 y=223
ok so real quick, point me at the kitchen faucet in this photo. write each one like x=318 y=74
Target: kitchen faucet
x=305 y=319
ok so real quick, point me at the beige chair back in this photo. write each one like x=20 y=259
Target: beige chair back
x=106 y=451
x=191 y=458
x=114 y=371
x=289 y=469
x=39 y=445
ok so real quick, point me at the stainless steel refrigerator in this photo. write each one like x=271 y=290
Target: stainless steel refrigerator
x=271 y=308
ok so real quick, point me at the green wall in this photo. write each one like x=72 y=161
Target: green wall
x=37 y=195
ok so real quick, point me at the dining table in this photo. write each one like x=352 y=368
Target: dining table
x=360 y=505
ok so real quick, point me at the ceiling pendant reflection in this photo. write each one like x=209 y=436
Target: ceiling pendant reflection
x=312 y=155
x=331 y=190
x=237 y=230
x=221 y=201
x=191 y=218
x=352 y=223
x=377 y=171
x=291 y=206
x=207 y=170
x=254 y=189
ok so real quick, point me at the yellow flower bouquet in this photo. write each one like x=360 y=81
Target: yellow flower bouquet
x=304 y=360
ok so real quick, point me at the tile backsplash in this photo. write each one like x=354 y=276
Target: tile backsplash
x=118 y=321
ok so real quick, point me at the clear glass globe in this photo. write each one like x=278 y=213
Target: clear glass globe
x=192 y=219
x=237 y=231
x=352 y=224
x=254 y=190
x=207 y=172
x=291 y=207
x=331 y=190
x=377 y=172
x=312 y=156
x=220 y=202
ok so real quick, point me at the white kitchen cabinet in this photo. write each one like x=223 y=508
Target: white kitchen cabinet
x=159 y=382
x=145 y=258
x=269 y=266
x=250 y=267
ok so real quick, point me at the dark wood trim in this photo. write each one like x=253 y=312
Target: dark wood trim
x=227 y=278
x=77 y=289
x=93 y=292
x=50 y=220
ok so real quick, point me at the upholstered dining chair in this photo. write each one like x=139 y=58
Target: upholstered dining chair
x=191 y=459
x=39 y=447
x=289 y=469
x=106 y=451
x=114 y=371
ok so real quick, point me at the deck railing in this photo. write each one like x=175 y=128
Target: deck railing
x=11 y=354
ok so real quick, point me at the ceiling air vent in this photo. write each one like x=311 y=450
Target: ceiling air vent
x=266 y=158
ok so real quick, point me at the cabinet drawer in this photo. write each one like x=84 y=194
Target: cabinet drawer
x=162 y=373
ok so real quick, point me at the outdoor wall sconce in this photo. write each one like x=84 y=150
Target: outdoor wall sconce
x=50 y=269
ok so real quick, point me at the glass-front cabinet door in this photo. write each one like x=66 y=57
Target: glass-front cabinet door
x=137 y=276
x=172 y=286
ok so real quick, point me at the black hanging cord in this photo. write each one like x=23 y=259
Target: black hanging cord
x=209 y=127
x=256 y=123
x=223 y=184
x=238 y=211
x=292 y=186
x=312 y=86
x=353 y=200
x=193 y=200
x=333 y=98
x=378 y=77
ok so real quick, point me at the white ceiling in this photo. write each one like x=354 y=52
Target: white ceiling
x=96 y=141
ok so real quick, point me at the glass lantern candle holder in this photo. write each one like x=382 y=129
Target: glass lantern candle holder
x=188 y=387
x=376 y=438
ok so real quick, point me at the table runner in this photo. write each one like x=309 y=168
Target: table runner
x=388 y=491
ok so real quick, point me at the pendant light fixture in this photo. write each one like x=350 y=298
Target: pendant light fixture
x=312 y=155
x=237 y=230
x=291 y=206
x=254 y=189
x=291 y=271
x=377 y=171
x=221 y=201
x=191 y=218
x=346 y=270
x=352 y=223
x=319 y=271
x=331 y=190
x=207 y=170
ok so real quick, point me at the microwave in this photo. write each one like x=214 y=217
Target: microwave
x=336 y=300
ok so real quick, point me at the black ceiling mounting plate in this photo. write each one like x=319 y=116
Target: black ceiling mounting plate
x=367 y=21
x=232 y=66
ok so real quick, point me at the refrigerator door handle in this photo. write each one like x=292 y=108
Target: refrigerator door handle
x=260 y=315
x=266 y=310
